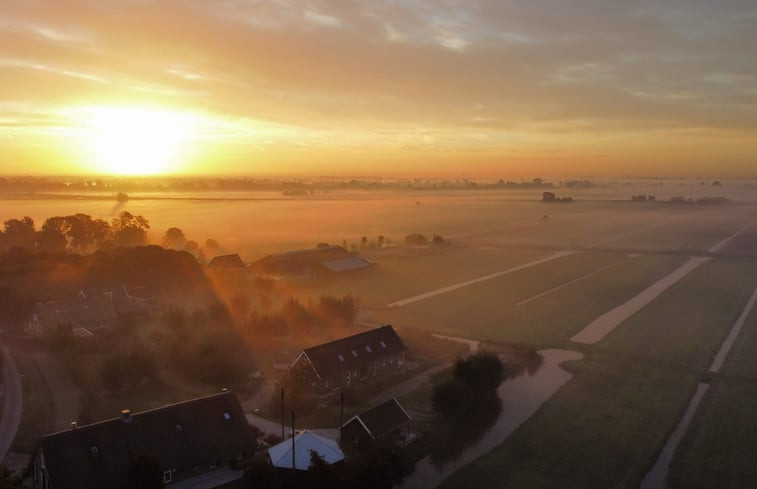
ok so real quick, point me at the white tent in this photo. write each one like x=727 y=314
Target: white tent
x=304 y=442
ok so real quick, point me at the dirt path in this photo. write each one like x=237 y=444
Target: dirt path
x=717 y=247
x=571 y=282
x=733 y=334
x=13 y=403
x=66 y=395
x=607 y=322
x=657 y=477
x=450 y=288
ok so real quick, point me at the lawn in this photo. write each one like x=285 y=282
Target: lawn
x=719 y=448
x=606 y=426
x=487 y=310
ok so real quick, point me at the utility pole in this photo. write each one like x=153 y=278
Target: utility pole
x=282 y=415
x=294 y=458
x=341 y=414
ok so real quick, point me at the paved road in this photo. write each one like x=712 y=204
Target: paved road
x=13 y=403
x=66 y=395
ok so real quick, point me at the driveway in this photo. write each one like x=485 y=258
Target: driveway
x=13 y=403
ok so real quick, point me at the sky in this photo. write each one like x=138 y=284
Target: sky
x=505 y=88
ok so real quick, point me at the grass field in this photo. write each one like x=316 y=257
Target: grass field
x=487 y=310
x=606 y=426
x=409 y=272
x=719 y=448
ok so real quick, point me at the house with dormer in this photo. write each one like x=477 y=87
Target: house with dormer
x=346 y=361
x=194 y=444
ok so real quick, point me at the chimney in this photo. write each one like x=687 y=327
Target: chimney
x=126 y=416
x=74 y=425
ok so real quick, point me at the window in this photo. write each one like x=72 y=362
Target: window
x=166 y=476
x=347 y=378
x=368 y=349
x=340 y=357
x=354 y=353
x=94 y=451
x=214 y=464
x=383 y=345
x=227 y=416
x=179 y=428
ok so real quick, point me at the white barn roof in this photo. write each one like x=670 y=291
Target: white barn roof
x=304 y=442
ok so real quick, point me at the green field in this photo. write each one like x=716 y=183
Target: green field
x=720 y=446
x=606 y=426
x=487 y=310
x=401 y=274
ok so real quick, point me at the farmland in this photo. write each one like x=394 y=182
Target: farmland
x=516 y=270
x=604 y=428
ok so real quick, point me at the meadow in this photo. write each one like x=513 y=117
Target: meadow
x=605 y=427
x=718 y=450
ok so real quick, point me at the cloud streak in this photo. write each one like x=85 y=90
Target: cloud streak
x=545 y=70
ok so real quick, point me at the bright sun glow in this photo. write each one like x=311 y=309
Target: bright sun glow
x=137 y=141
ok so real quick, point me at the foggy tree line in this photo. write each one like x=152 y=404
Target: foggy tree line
x=77 y=233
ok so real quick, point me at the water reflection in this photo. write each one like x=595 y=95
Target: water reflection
x=517 y=400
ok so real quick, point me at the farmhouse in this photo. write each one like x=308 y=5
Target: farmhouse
x=356 y=358
x=88 y=312
x=308 y=263
x=227 y=262
x=386 y=422
x=193 y=444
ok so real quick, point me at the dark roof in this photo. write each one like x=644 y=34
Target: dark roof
x=354 y=351
x=226 y=261
x=382 y=419
x=89 y=313
x=330 y=258
x=182 y=436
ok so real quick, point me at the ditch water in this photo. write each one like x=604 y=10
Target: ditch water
x=520 y=397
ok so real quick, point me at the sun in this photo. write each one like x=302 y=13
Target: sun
x=137 y=140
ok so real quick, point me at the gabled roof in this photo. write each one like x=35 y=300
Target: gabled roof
x=329 y=258
x=382 y=419
x=226 y=261
x=179 y=436
x=347 y=264
x=304 y=442
x=336 y=356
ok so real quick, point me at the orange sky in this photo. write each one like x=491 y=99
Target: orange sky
x=499 y=87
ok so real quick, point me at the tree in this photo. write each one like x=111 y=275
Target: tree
x=19 y=233
x=174 y=239
x=129 y=230
x=52 y=238
x=438 y=240
x=416 y=239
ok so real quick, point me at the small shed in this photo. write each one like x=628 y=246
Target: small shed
x=304 y=443
x=386 y=422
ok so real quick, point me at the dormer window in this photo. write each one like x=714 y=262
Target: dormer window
x=383 y=345
x=179 y=428
x=227 y=416
x=340 y=357
x=368 y=349
x=354 y=353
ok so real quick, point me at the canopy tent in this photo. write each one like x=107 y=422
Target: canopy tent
x=304 y=443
